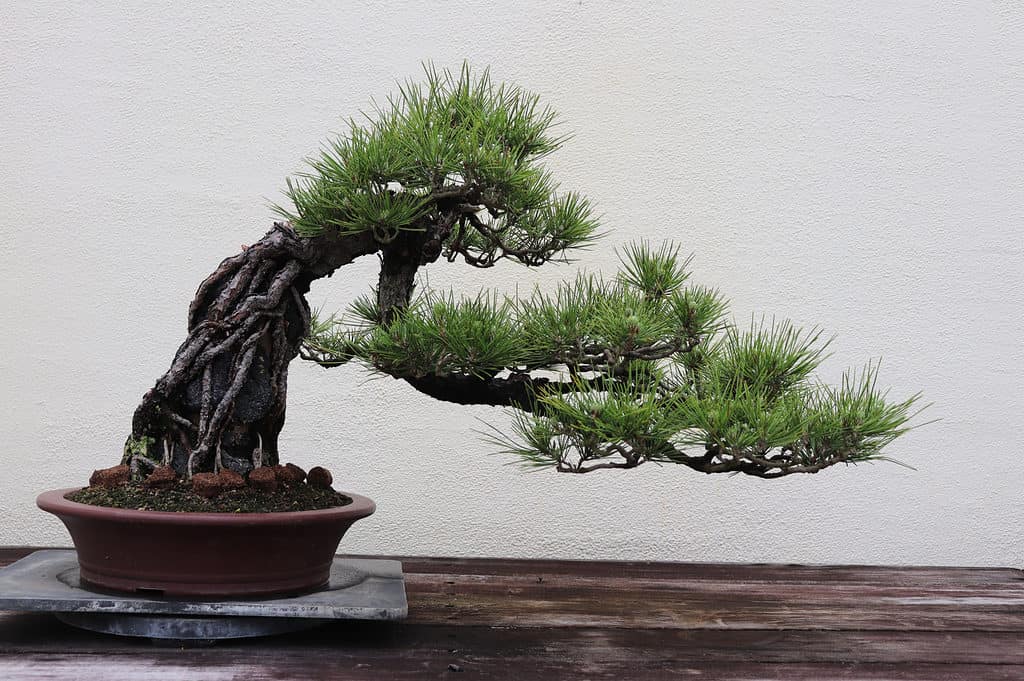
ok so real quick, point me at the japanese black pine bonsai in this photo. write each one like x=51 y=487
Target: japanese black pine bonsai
x=600 y=373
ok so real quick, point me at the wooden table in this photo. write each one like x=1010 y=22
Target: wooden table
x=533 y=619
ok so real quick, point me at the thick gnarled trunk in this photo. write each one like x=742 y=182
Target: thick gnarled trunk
x=221 y=404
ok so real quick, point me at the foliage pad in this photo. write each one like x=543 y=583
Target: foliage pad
x=640 y=368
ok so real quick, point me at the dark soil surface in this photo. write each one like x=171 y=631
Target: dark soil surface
x=180 y=497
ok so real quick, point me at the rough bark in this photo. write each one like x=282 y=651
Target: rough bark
x=399 y=262
x=222 y=401
x=516 y=390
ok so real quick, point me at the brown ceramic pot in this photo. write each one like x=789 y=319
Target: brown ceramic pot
x=204 y=554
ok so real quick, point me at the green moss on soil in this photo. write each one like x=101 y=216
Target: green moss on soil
x=180 y=498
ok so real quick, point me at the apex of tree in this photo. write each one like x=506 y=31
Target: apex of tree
x=457 y=151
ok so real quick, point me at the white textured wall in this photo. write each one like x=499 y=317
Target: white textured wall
x=858 y=167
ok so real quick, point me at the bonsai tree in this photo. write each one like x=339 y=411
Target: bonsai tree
x=600 y=373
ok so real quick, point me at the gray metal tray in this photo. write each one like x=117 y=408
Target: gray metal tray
x=47 y=581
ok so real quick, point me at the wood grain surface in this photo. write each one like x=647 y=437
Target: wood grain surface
x=540 y=619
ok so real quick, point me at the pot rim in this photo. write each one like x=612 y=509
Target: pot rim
x=53 y=501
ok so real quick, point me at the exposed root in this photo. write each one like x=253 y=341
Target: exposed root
x=221 y=404
x=138 y=460
x=247 y=318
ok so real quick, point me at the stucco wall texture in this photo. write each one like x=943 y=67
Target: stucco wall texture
x=854 y=166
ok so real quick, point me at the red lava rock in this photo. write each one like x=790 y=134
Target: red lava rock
x=319 y=476
x=162 y=477
x=230 y=480
x=290 y=474
x=206 y=484
x=298 y=470
x=263 y=479
x=110 y=477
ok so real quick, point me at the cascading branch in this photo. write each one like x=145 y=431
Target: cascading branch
x=601 y=374
x=615 y=374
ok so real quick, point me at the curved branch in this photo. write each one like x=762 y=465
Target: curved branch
x=748 y=463
x=518 y=390
x=499 y=249
x=564 y=468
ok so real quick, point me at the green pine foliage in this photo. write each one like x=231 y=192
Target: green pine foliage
x=456 y=143
x=442 y=335
x=641 y=367
x=651 y=372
